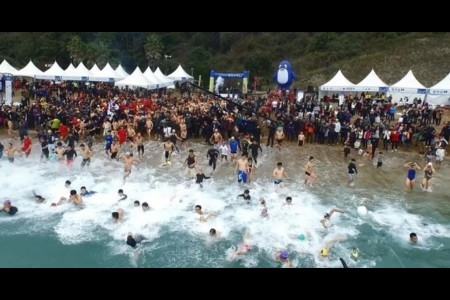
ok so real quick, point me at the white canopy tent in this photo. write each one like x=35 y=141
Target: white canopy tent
x=107 y=74
x=95 y=70
x=81 y=73
x=372 y=83
x=409 y=87
x=152 y=78
x=439 y=94
x=30 y=70
x=337 y=84
x=54 y=73
x=180 y=75
x=136 y=79
x=163 y=78
x=121 y=71
x=5 y=67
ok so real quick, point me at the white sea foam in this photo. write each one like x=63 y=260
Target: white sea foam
x=172 y=198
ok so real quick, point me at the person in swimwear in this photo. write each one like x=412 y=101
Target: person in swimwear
x=283 y=257
x=278 y=174
x=242 y=168
x=250 y=169
x=426 y=181
x=310 y=176
x=411 y=176
x=326 y=218
x=243 y=248
x=326 y=250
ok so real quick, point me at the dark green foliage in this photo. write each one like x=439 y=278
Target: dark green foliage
x=311 y=53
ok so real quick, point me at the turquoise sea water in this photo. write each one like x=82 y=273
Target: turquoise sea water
x=67 y=236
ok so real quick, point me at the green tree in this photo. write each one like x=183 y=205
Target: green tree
x=78 y=50
x=153 y=48
x=258 y=64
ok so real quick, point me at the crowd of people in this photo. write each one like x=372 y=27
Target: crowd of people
x=77 y=116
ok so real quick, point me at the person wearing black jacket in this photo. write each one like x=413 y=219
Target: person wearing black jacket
x=213 y=154
x=200 y=176
x=351 y=172
x=254 y=146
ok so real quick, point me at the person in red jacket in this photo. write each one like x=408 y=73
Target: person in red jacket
x=26 y=145
x=122 y=133
x=395 y=138
x=63 y=131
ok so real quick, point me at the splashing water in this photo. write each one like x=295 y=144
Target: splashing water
x=174 y=236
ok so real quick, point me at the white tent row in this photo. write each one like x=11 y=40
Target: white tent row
x=408 y=86
x=145 y=80
x=180 y=75
x=80 y=73
x=439 y=94
x=5 y=67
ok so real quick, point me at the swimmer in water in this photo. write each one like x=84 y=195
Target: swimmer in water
x=38 y=198
x=264 y=212
x=246 y=196
x=122 y=195
x=413 y=238
x=243 y=248
x=133 y=241
x=203 y=215
x=325 y=252
x=214 y=233
x=283 y=257
x=326 y=218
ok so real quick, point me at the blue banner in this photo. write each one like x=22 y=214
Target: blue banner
x=215 y=74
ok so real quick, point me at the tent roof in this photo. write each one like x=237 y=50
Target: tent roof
x=106 y=74
x=121 y=71
x=338 y=82
x=81 y=73
x=162 y=77
x=136 y=79
x=408 y=82
x=94 y=70
x=30 y=70
x=54 y=71
x=152 y=78
x=5 y=67
x=372 y=80
x=441 y=86
x=180 y=74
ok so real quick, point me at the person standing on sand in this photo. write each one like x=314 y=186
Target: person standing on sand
x=310 y=175
x=426 y=182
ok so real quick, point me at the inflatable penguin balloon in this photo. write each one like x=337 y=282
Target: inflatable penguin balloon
x=284 y=76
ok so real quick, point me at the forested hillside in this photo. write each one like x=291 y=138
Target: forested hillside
x=315 y=56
